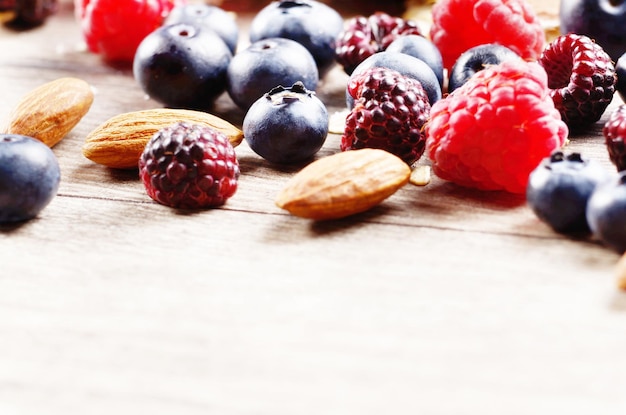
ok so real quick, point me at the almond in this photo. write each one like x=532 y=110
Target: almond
x=49 y=112
x=344 y=184
x=119 y=142
x=620 y=272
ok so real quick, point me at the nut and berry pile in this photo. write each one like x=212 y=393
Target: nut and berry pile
x=481 y=97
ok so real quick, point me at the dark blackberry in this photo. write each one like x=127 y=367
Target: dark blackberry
x=389 y=114
x=189 y=166
x=581 y=77
x=614 y=132
x=364 y=36
x=27 y=12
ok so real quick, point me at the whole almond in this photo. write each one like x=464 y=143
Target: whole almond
x=50 y=111
x=343 y=184
x=119 y=142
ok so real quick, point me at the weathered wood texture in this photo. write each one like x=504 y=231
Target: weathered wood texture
x=440 y=301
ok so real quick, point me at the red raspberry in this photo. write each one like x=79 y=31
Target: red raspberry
x=459 y=25
x=364 y=36
x=614 y=132
x=189 y=166
x=389 y=114
x=495 y=129
x=114 y=28
x=581 y=77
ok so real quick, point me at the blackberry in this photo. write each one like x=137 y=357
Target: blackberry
x=27 y=12
x=389 y=114
x=365 y=36
x=614 y=132
x=581 y=77
x=189 y=166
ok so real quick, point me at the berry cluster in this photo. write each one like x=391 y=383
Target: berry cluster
x=510 y=104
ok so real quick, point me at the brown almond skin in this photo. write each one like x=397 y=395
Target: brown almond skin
x=344 y=184
x=50 y=111
x=119 y=142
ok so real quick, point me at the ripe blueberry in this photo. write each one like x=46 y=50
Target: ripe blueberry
x=476 y=59
x=29 y=177
x=182 y=66
x=620 y=70
x=601 y=20
x=266 y=64
x=407 y=65
x=559 y=188
x=210 y=17
x=311 y=23
x=286 y=125
x=606 y=212
x=421 y=48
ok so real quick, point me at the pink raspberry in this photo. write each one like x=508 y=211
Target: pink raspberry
x=459 y=25
x=495 y=129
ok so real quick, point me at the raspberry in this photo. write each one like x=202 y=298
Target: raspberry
x=614 y=132
x=389 y=114
x=115 y=28
x=189 y=166
x=496 y=128
x=365 y=36
x=459 y=25
x=582 y=78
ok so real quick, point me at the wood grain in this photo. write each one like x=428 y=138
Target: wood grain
x=440 y=301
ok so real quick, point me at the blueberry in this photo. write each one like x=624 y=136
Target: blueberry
x=606 y=212
x=311 y=23
x=210 y=17
x=182 y=66
x=407 y=65
x=29 y=177
x=421 y=48
x=286 y=125
x=601 y=20
x=559 y=188
x=476 y=59
x=266 y=64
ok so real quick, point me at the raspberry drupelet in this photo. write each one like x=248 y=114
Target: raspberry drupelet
x=495 y=129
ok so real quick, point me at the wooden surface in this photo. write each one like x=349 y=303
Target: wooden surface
x=440 y=301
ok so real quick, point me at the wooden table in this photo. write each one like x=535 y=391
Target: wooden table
x=442 y=300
